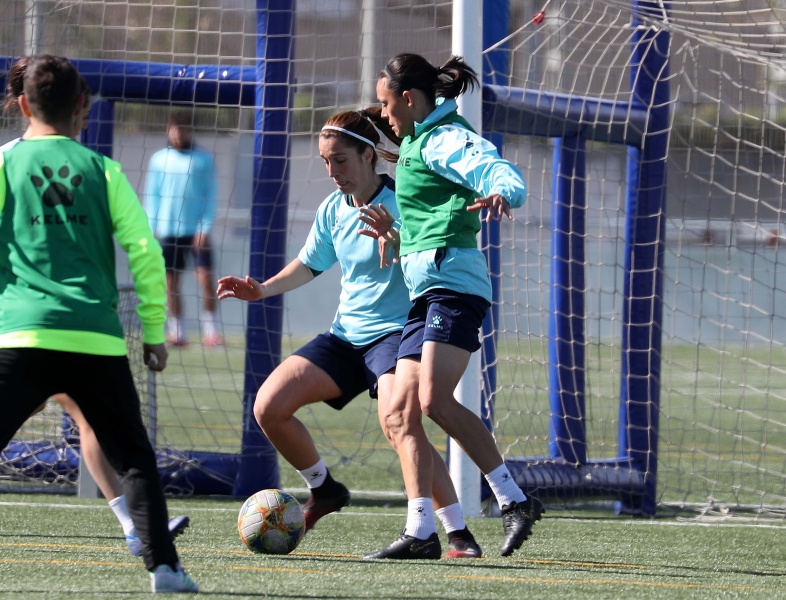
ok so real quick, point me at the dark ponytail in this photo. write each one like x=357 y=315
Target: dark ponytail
x=15 y=85
x=374 y=115
x=455 y=77
x=413 y=72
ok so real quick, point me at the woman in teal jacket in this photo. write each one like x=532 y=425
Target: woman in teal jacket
x=446 y=174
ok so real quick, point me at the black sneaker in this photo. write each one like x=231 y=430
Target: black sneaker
x=410 y=547
x=319 y=506
x=517 y=522
x=462 y=545
x=178 y=525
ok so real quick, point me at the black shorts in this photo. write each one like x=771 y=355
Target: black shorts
x=443 y=316
x=355 y=369
x=102 y=386
x=177 y=249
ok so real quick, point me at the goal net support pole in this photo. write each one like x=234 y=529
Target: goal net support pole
x=275 y=52
x=645 y=236
x=467 y=41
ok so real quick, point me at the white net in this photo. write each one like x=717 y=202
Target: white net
x=722 y=436
x=199 y=398
x=722 y=417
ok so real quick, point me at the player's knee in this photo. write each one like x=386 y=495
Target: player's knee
x=270 y=409
x=386 y=430
x=394 y=425
x=434 y=408
x=264 y=411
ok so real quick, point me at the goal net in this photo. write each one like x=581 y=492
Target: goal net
x=634 y=351
x=641 y=300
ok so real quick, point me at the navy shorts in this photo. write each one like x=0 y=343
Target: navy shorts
x=355 y=369
x=177 y=249
x=443 y=316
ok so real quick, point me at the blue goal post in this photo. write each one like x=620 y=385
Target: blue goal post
x=640 y=124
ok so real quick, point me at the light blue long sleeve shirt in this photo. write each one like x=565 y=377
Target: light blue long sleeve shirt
x=180 y=192
x=464 y=157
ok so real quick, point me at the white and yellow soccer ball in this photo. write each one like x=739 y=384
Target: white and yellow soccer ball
x=271 y=522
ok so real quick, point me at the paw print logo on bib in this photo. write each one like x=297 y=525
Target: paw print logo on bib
x=56 y=187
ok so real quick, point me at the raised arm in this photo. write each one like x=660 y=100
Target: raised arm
x=466 y=158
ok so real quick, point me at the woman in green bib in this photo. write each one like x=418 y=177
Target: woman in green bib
x=104 y=475
x=445 y=176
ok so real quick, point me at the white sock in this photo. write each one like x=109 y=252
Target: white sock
x=314 y=476
x=452 y=517
x=175 y=328
x=420 y=518
x=118 y=506
x=208 y=324
x=504 y=487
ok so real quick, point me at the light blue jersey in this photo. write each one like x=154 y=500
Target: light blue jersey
x=374 y=301
x=9 y=145
x=462 y=156
x=180 y=192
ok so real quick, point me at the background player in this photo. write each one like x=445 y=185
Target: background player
x=180 y=200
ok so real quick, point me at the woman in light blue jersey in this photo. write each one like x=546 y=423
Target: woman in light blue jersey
x=180 y=200
x=358 y=353
x=445 y=175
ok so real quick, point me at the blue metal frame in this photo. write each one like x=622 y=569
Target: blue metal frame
x=641 y=124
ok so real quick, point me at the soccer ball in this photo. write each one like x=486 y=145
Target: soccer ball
x=271 y=522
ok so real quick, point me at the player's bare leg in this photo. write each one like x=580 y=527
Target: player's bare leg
x=209 y=316
x=295 y=383
x=446 y=503
x=176 y=336
x=441 y=369
x=404 y=427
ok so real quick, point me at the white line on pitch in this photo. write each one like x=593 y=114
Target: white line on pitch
x=173 y=507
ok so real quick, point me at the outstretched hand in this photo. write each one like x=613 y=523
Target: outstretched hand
x=496 y=205
x=381 y=221
x=247 y=288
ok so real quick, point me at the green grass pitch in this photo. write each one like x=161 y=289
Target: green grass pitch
x=63 y=547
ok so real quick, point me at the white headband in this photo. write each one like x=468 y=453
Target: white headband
x=354 y=135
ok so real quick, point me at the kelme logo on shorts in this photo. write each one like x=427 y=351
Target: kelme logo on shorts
x=436 y=322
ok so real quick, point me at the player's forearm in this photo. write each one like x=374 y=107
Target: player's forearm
x=291 y=277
